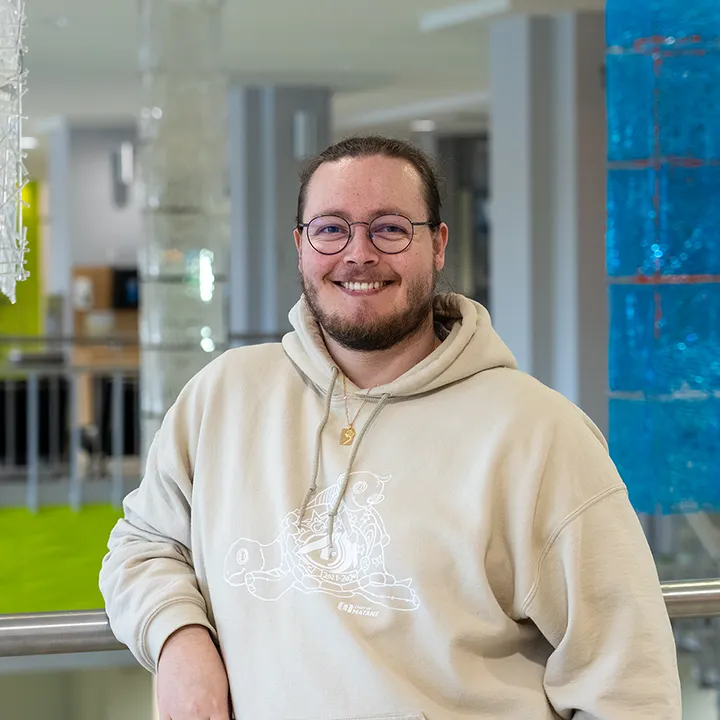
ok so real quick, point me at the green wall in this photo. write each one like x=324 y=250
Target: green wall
x=50 y=561
x=27 y=315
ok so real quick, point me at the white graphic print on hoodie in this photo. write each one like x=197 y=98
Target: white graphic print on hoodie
x=473 y=554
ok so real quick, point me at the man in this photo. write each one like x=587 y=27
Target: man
x=382 y=517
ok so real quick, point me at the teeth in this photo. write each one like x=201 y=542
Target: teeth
x=363 y=287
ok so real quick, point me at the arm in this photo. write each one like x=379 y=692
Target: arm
x=147 y=577
x=597 y=599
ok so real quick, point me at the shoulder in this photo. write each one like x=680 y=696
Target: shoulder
x=251 y=361
x=547 y=448
x=523 y=402
x=237 y=372
x=243 y=365
x=550 y=460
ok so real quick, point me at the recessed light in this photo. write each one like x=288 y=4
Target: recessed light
x=423 y=125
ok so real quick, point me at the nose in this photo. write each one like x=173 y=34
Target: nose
x=360 y=250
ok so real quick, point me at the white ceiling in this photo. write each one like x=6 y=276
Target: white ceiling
x=83 y=56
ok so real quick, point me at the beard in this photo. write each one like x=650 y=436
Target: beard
x=368 y=332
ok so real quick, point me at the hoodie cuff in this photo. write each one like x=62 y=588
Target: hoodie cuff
x=178 y=614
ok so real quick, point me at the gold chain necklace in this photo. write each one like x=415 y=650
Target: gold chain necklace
x=347 y=434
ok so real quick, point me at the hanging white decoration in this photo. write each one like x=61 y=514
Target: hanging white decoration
x=12 y=170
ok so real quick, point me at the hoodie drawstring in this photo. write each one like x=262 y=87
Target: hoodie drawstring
x=318 y=441
x=332 y=514
x=346 y=480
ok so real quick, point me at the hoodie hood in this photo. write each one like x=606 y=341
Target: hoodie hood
x=471 y=346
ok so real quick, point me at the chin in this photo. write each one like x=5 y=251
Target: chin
x=368 y=310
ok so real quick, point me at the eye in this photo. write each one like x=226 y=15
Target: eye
x=327 y=228
x=330 y=230
x=242 y=556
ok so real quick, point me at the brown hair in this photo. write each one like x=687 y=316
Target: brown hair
x=356 y=147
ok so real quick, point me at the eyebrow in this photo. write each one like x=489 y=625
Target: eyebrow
x=376 y=213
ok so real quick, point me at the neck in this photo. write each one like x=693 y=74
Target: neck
x=370 y=369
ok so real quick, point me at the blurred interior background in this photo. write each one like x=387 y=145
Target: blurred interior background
x=163 y=148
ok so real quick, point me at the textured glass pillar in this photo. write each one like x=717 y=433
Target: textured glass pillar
x=182 y=153
x=663 y=250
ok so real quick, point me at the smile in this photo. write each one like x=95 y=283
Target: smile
x=364 y=286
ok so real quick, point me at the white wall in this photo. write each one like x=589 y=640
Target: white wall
x=35 y=696
x=100 y=694
x=100 y=232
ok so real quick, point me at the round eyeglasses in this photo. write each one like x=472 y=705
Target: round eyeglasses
x=390 y=234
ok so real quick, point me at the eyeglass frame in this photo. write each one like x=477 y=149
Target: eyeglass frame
x=302 y=226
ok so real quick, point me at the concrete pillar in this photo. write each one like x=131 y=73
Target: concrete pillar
x=547 y=212
x=272 y=132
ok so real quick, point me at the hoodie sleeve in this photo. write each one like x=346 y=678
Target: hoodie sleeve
x=147 y=577
x=597 y=599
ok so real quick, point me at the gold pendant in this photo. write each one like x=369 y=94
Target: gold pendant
x=347 y=435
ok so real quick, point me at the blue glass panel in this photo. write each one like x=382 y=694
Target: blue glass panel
x=626 y=21
x=687 y=239
x=630 y=81
x=690 y=220
x=689 y=433
x=684 y=353
x=631 y=339
x=668 y=453
x=631 y=222
x=685 y=19
x=689 y=105
x=634 y=450
x=629 y=20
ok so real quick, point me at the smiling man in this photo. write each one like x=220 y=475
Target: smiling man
x=382 y=517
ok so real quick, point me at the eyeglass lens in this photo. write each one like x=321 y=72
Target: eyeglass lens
x=390 y=233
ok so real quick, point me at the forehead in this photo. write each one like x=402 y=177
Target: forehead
x=362 y=185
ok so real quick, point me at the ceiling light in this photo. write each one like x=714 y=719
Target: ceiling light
x=423 y=125
x=28 y=143
x=454 y=15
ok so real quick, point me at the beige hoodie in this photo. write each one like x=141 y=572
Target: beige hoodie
x=472 y=555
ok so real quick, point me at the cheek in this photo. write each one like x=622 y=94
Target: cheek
x=315 y=266
x=412 y=267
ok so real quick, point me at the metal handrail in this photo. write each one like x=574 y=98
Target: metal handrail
x=124 y=340
x=692 y=599
x=89 y=631
x=54 y=633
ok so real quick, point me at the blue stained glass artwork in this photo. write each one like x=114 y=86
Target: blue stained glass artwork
x=663 y=250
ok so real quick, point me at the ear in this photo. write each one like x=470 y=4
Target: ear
x=297 y=234
x=440 y=242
